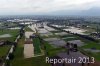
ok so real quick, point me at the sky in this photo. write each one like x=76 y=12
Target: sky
x=44 y=6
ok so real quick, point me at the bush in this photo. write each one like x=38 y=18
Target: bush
x=0 y=60
x=7 y=63
x=11 y=56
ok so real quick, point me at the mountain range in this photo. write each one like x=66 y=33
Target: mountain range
x=90 y=12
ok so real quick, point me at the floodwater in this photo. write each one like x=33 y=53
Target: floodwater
x=56 y=42
x=5 y=35
x=49 y=28
x=75 y=30
x=15 y=28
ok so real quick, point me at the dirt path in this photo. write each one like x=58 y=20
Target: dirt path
x=28 y=50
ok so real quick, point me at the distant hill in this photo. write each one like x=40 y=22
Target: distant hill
x=91 y=12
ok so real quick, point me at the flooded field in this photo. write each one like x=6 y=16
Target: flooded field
x=5 y=36
x=75 y=30
x=56 y=42
x=49 y=28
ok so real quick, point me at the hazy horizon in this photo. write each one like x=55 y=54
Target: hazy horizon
x=50 y=7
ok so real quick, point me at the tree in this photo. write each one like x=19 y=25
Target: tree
x=11 y=56
x=7 y=63
x=0 y=60
x=68 y=48
x=21 y=32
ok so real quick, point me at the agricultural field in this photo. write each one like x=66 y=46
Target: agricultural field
x=28 y=29
x=12 y=34
x=4 y=51
x=19 y=59
x=7 y=35
x=49 y=46
x=37 y=47
x=89 y=48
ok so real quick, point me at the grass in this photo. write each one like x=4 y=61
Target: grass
x=28 y=29
x=69 y=35
x=19 y=59
x=35 y=61
x=50 y=36
x=13 y=33
x=7 y=31
x=88 y=45
x=55 y=51
x=48 y=46
x=91 y=54
x=37 y=48
x=19 y=50
x=96 y=56
x=91 y=45
x=56 y=31
x=70 y=39
x=4 y=50
x=51 y=50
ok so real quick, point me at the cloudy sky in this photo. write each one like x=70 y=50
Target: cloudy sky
x=44 y=6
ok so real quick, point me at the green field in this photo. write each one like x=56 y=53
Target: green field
x=92 y=45
x=70 y=39
x=37 y=48
x=19 y=59
x=56 y=31
x=50 y=50
x=13 y=33
x=28 y=29
x=88 y=44
x=4 y=50
x=48 y=46
x=35 y=61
